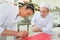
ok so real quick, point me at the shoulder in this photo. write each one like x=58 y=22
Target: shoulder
x=50 y=16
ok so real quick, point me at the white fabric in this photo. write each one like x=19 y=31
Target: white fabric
x=45 y=24
x=44 y=4
x=21 y=1
x=8 y=13
x=11 y=1
x=1 y=30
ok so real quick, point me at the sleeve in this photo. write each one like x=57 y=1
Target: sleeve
x=33 y=19
x=1 y=30
x=48 y=28
x=49 y=25
x=2 y=24
x=3 y=15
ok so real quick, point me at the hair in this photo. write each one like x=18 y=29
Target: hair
x=29 y=6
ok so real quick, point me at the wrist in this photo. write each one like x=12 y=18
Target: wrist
x=16 y=34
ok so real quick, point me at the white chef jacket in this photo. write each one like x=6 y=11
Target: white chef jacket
x=8 y=13
x=45 y=24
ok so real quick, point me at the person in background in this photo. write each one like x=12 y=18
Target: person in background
x=8 y=18
x=42 y=21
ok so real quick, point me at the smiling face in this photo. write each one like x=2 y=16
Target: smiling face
x=44 y=11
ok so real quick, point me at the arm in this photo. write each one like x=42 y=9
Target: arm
x=36 y=29
x=14 y=33
x=4 y=32
x=33 y=23
x=49 y=27
x=9 y=33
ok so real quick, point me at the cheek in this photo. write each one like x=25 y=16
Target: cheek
x=43 y=14
x=31 y=12
x=25 y=14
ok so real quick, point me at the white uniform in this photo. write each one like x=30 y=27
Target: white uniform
x=8 y=13
x=45 y=24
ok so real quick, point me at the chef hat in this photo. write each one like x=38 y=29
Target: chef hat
x=44 y=4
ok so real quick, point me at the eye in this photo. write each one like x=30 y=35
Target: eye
x=42 y=11
x=28 y=13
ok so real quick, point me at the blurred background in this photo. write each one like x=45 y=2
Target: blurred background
x=25 y=23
